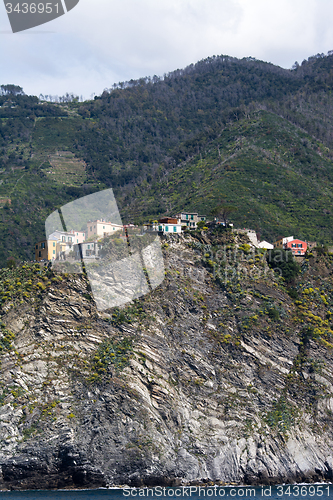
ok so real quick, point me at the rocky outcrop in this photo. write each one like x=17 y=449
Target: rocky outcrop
x=197 y=381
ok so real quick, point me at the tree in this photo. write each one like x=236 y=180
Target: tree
x=11 y=263
x=223 y=211
x=283 y=262
x=11 y=90
x=201 y=224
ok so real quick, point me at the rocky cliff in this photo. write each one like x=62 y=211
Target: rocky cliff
x=222 y=374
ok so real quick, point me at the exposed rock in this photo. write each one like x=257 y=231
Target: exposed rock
x=199 y=383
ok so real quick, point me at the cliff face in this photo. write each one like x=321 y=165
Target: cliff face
x=218 y=374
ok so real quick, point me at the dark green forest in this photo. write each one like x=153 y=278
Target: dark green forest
x=255 y=135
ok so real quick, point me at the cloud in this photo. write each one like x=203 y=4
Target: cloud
x=105 y=41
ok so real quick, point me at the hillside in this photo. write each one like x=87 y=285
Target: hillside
x=139 y=137
x=217 y=376
x=275 y=174
x=34 y=178
x=148 y=121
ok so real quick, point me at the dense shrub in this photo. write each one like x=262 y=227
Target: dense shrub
x=283 y=262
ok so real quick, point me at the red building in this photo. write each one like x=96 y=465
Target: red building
x=298 y=247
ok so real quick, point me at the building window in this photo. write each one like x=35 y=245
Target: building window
x=53 y=252
x=186 y=216
x=103 y=227
x=166 y=228
x=174 y=229
x=160 y=228
x=191 y=217
x=63 y=238
x=90 y=228
x=54 y=243
x=70 y=239
x=77 y=241
x=42 y=245
x=36 y=247
x=88 y=247
x=40 y=253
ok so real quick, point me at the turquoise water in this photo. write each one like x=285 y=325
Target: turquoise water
x=283 y=492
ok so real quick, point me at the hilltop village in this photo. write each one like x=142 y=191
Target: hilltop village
x=87 y=242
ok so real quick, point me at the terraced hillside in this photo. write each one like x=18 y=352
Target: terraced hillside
x=66 y=169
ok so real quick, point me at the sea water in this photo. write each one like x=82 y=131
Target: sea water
x=281 y=492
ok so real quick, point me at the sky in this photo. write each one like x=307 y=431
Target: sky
x=102 y=42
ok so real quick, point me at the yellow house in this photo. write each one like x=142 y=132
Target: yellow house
x=63 y=248
x=46 y=250
x=282 y=241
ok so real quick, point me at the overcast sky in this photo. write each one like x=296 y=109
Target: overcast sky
x=101 y=42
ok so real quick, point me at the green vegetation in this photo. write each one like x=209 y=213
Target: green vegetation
x=111 y=353
x=282 y=416
x=29 y=432
x=66 y=169
x=22 y=283
x=283 y=262
x=31 y=135
x=246 y=132
x=129 y=314
x=6 y=337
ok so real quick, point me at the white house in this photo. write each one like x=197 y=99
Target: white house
x=167 y=228
x=167 y=225
x=79 y=236
x=265 y=244
x=190 y=219
x=63 y=236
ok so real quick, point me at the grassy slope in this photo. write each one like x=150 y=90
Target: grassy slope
x=276 y=175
